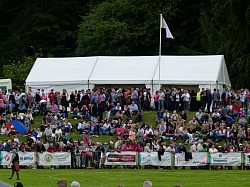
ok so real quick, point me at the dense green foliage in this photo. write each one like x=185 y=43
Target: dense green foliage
x=62 y=28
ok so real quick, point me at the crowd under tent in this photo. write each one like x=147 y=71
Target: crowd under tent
x=77 y=73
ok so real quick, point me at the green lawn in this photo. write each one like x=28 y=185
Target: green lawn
x=132 y=178
x=149 y=117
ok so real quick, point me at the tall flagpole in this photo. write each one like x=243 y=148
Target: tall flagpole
x=160 y=52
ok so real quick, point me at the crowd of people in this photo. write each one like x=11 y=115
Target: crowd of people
x=221 y=116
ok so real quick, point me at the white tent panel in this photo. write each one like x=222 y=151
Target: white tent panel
x=124 y=70
x=85 y=72
x=58 y=71
x=188 y=69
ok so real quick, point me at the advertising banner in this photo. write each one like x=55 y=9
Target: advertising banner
x=225 y=159
x=5 y=157
x=153 y=159
x=54 y=159
x=124 y=158
x=25 y=159
x=247 y=159
x=198 y=159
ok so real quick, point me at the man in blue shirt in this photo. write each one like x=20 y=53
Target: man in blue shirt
x=133 y=108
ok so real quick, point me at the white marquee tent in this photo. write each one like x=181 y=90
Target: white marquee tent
x=88 y=72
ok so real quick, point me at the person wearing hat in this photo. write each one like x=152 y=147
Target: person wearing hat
x=75 y=184
x=15 y=163
x=18 y=184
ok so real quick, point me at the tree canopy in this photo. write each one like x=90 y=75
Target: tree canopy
x=61 y=28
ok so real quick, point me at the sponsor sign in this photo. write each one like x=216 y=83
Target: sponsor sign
x=54 y=159
x=123 y=158
x=225 y=159
x=27 y=158
x=247 y=159
x=198 y=159
x=153 y=159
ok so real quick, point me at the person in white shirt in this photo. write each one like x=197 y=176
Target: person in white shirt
x=80 y=127
x=200 y=145
x=198 y=116
x=213 y=149
x=186 y=100
x=58 y=134
x=193 y=147
x=147 y=148
x=39 y=134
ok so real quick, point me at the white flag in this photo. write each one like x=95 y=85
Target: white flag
x=165 y=26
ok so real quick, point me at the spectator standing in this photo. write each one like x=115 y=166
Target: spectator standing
x=215 y=99
x=186 y=100
x=156 y=100
x=161 y=100
x=208 y=99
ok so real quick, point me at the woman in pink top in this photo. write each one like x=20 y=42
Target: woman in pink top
x=156 y=98
x=1 y=104
x=132 y=134
x=44 y=97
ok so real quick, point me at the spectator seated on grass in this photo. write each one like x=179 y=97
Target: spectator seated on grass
x=76 y=114
x=105 y=128
x=133 y=109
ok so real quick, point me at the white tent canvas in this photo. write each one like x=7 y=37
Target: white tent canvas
x=205 y=71
x=85 y=72
x=61 y=73
x=124 y=70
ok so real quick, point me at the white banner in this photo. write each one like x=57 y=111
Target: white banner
x=25 y=159
x=5 y=157
x=225 y=159
x=125 y=158
x=247 y=159
x=54 y=159
x=153 y=160
x=198 y=159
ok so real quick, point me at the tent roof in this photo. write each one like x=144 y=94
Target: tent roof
x=47 y=71
x=192 y=70
x=124 y=70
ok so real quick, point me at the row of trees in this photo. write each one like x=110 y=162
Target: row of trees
x=61 y=28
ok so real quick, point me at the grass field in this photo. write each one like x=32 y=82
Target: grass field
x=132 y=178
x=149 y=117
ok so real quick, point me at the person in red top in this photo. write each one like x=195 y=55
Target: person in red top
x=61 y=148
x=231 y=148
x=247 y=149
x=51 y=148
x=126 y=147
x=236 y=109
x=120 y=131
x=51 y=96
x=139 y=147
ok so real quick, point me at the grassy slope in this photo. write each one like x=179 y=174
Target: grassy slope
x=132 y=178
x=148 y=118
